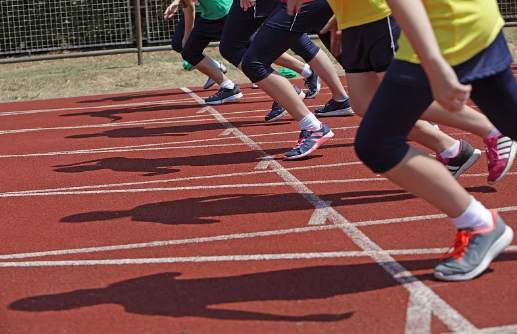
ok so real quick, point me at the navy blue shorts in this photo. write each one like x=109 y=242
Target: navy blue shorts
x=311 y=18
x=241 y=27
x=204 y=32
x=404 y=95
x=370 y=47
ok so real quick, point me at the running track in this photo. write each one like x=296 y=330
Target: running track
x=150 y=213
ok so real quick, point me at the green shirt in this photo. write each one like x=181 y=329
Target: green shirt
x=213 y=9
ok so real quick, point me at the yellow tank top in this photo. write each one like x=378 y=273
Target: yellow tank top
x=463 y=28
x=351 y=13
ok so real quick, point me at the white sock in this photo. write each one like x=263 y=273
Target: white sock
x=310 y=122
x=227 y=84
x=452 y=151
x=340 y=99
x=306 y=71
x=494 y=133
x=475 y=217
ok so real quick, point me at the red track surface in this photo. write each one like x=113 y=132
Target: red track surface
x=209 y=237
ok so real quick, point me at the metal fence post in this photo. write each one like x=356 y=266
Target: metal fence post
x=138 y=34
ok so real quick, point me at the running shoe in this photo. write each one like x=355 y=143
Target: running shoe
x=500 y=152
x=335 y=108
x=313 y=85
x=309 y=141
x=210 y=82
x=277 y=111
x=460 y=163
x=473 y=251
x=224 y=95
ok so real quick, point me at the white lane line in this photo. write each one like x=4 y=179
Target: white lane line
x=163 y=146
x=228 y=237
x=226 y=258
x=255 y=95
x=179 y=179
x=151 y=121
x=508 y=329
x=417 y=290
x=184 y=188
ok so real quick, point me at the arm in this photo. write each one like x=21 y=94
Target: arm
x=446 y=88
x=189 y=12
x=335 y=35
x=171 y=10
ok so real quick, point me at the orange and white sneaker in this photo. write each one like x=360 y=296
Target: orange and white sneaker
x=500 y=152
x=473 y=251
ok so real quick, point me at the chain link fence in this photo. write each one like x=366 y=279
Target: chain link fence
x=28 y=28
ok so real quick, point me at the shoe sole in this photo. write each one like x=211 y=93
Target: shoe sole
x=497 y=247
x=228 y=99
x=472 y=160
x=277 y=116
x=513 y=150
x=314 y=148
x=340 y=112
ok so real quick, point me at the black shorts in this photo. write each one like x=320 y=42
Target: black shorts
x=311 y=18
x=204 y=32
x=370 y=47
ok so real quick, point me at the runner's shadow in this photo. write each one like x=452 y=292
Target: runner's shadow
x=210 y=209
x=162 y=166
x=178 y=130
x=166 y=294
x=132 y=96
x=113 y=113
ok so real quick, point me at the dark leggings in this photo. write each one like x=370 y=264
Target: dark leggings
x=177 y=36
x=242 y=25
x=399 y=103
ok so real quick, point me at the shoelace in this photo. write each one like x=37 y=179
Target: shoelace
x=491 y=149
x=460 y=243
x=303 y=136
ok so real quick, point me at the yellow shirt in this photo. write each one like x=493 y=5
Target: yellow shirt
x=351 y=13
x=463 y=28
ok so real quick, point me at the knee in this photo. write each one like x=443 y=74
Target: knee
x=254 y=68
x=191 y=57
x=380 y=154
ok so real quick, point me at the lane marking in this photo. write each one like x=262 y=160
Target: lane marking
x=256 y=95
x=158 y=146
x=184 y=188
x=417 y=290
x=178 y=179
x=229 y=258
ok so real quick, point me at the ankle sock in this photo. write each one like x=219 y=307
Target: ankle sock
x=306 y=71
x=475 y=217
x=493 y=133
x=310 y=122
x=227 y=84
x=452 y=151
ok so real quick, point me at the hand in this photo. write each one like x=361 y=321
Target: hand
x=293 y=6
x=446 y=88
x=171 y=10
x=247 y=4
x=335 y=35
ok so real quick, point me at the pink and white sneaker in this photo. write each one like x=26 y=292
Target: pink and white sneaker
x=500 y=151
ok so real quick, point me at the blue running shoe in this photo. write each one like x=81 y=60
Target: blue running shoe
x=277 y=111
x=309 y=141
x=224 y=95
x=335 y=108
x=313 y=85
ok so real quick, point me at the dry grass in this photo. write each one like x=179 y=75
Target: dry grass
x=111 y=74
